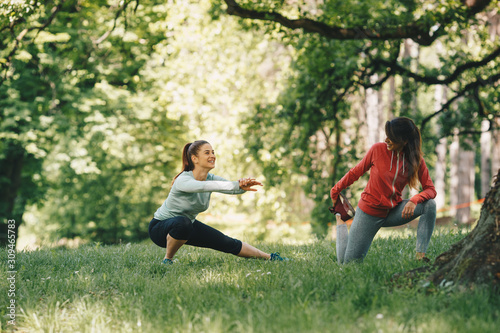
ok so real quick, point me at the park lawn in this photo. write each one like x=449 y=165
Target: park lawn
x=124 y=288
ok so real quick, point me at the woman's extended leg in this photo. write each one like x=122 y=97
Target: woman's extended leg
x=363 y=229
x=342 y=238
x=206 y=236
x=248 y=251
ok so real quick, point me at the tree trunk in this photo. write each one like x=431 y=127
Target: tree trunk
x=454 y=176
x=476 y=258
x=486 y=138
x=409 y=104
x=391 y=101
x=495 y=159
x=372 y=114
x=440 y=173
x=494 y=21
x=441 y=148
x=473 y=261
x=461 y=181
x=466 y=176
x=10 y=182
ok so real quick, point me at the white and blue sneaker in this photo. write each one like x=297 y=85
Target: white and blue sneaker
x=277 y=257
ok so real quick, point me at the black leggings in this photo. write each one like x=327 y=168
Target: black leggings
x=196 y=233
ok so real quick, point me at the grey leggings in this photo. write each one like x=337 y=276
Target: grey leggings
x=354 y=244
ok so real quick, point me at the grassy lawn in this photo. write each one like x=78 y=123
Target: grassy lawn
x=124 y=288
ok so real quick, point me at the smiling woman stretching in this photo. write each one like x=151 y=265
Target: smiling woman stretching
x=393 y=165
x=175 y=224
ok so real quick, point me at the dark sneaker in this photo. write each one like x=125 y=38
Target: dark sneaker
x=343 y=207
x=167 y=261
x=276 y=257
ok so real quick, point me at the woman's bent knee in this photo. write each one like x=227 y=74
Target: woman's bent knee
x=430 y=205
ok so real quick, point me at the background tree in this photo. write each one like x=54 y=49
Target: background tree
x=118 y=88
x=99 y=96
x=75 y=122
x=474 y=260
x=20 y=156
x=470 y=74
x=347 y=49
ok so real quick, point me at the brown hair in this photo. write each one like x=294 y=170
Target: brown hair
x=403 y=130
x=189 y=150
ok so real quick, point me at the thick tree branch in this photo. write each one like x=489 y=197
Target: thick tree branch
x=463 y=132
x=468 y=132
x=419 y=31
x=376 y=66
x=430 y=80
x=470 y=87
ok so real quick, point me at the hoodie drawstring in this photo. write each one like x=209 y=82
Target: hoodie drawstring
x=392 y=157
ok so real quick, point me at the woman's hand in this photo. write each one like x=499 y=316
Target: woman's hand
x=247 y=183
x=408 y=210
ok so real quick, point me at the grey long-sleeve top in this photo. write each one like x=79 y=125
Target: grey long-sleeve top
x=188 y=197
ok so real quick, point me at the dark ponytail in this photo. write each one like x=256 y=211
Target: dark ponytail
x=404 y=130
x=189 y=150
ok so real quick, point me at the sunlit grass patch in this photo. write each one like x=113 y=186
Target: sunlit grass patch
x=124 y=288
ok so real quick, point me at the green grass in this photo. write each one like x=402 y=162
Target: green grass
x=123 y=288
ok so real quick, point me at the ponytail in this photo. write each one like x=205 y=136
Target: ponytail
x=189 y=150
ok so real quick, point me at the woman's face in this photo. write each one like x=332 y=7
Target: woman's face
x=393 y=146
x=206 y=157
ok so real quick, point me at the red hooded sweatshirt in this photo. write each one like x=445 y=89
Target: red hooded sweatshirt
x=388 y=178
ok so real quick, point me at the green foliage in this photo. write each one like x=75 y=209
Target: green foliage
x=120 y=91
x=98 y=97
x=309 y=130
x=298 y=135
x=76 y=100
x=16 y=10
x=124 y=288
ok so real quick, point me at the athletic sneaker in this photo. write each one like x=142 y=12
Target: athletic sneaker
x=343 y=207
x=167 y=261
x=276 y=257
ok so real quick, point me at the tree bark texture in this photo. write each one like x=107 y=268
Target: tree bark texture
x=476 y=258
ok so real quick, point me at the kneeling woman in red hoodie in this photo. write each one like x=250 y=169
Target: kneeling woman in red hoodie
x=393 y=165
